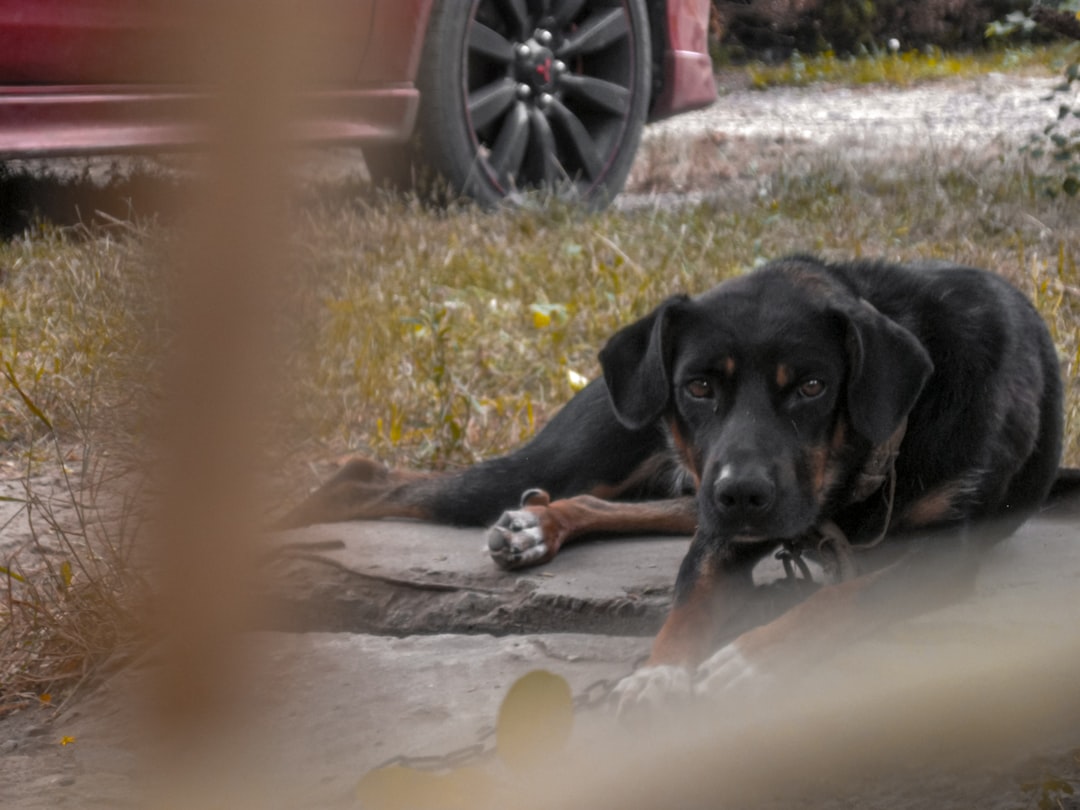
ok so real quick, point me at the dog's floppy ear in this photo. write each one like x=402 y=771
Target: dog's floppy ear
x=888 y=369
x=635 y=365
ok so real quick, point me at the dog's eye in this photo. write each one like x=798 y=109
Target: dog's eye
x=811 y=389
x=699 y=389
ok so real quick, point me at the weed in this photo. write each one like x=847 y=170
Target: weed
x=67 y=600
x=1056 y=150
x=1051 y=791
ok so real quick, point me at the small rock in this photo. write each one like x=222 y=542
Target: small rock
x=7 y=746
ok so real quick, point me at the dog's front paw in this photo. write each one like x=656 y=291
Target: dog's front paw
x=517 y=540
x=651 y=690
x=730 y=671
x=526 y=536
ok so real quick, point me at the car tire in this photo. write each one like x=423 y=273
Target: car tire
x=523 y=98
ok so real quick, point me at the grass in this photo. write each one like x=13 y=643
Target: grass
x=74 y=307
x=72 y=303
x=906 y=67
x=437 y=340
x=432 y=339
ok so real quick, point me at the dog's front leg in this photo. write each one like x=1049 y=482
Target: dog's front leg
x=714 y=583
x=751 y=664
x=535 y=533
x=938 y=571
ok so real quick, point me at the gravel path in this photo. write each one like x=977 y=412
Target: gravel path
x=992 y=108
x=749 y=134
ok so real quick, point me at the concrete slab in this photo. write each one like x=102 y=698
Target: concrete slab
x=403 y=578
x=324 y=708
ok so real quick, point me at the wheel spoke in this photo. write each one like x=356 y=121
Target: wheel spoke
x=516 y=14
x=580 y=139
x=596 y=33
x=545 y=144
x=610 y=96
x=491 y=101
x=490 y=43
x=565 y=10
x=509 y=149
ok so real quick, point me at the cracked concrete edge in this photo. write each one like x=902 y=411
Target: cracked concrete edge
x=401 y=578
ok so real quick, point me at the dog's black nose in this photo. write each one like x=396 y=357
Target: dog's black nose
x=744 y=494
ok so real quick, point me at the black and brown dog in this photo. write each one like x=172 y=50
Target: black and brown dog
x=818 y=407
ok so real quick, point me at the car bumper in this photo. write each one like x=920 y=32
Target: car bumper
x=688 y=84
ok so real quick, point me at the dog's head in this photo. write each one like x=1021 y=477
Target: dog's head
x=775 y=386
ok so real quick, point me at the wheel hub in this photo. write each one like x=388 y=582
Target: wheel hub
x=554 y=93
x=535 y=66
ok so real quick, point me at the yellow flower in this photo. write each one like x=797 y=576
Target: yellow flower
x=577 y=381
x=66 y=740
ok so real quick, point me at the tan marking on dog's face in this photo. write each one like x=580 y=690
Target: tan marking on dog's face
x=839 y=436
x=833 y=461
x=823 y=463
x=685 y=452
x=817 y=459
x=729 y=366
x=783 y=375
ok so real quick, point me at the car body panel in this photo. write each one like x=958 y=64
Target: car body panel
x=38 y=122
x=688 y=72
x=99 y=76
x=67 y=43
x=392 y=55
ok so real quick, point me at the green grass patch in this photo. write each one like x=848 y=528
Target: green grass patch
x=907 y=67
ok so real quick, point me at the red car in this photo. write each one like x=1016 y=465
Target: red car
x=496 y=96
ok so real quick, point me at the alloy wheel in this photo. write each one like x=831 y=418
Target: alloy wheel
x=548 y=92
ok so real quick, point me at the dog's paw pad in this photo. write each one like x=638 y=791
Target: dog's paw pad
x=650 y=690
x=517 y=540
